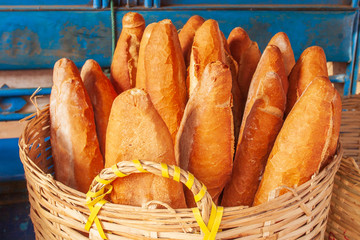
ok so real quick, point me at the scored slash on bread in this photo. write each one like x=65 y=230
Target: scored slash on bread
x=75 y=146
x=125 y=60
x=204 y=143
x=136 y=131
x=306 y=140
x=207 y=47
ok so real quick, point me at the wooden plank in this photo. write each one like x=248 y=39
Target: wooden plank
x=11 y=129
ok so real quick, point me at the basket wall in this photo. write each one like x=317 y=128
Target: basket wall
x=344 y=217
x=59 y=212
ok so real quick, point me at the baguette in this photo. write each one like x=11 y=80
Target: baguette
x=262 y=121
x=136 y=131
x=247 y=54
x=238 y=100
x=75 y=146
x=304 y=141
x=125 y=60
x=140 y=74
x=186 y=36
x=165 y=74
x=281 y=40
x=207 y=47
x=204 y=143
x=102 y=95
x=311 y=64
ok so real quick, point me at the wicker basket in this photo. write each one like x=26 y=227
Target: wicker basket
x=344 y=217
x=59 y=212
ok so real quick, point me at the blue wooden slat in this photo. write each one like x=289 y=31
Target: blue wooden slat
x=11 y=167
x=45 y=2
x=340 y=78
x=329 y=30
x=148 y=3
x=254 y=2
x=13 y=116
x=97 y=4
x=28 y=43
x=37 y=39
x=13 y=92
x=105 y=3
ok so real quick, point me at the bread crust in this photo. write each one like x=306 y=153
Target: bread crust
x=136 y=131
x=102 y=95
x=207 y=47
x=165 y=74
x=261 y=123
x=204 y=143
x=141 y=73
x=187 y=34
x=281 y=40
x=75 y=146
x=303 y=142
x=125 y=60
x=311 y=64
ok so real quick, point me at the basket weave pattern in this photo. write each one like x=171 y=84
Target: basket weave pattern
x=344 y=216
x=59 y=212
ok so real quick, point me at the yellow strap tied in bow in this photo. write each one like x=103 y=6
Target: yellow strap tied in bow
x=94 y=210
x=212 y=228
x=117 y=172
x=201 y=194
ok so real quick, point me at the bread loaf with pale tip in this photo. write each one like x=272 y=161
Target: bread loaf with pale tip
x=136 y=131
x=75 y=146
x=304 y=142
x=205 y=141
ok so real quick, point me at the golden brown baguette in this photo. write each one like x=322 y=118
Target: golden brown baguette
x=75 y=146
x=140 y=74
x=165 y=74
x=260 y=125
x=247 y=54
x=304 y=140
x=125 y=59
x=281 y=40
x=259 y=133
x=204 y=143
x=186 y=36
x=102 y=95
x=136 y=131
x=207 y=47
x=238 y=101
x=311 y=64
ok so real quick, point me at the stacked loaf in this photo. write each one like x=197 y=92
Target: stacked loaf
x=247 y=125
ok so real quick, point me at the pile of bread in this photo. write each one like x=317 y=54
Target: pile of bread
x=246 y=124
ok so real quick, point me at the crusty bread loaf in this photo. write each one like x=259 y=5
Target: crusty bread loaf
x=238 y=101
x=207 y=47
x=304 y=141
x=204 y=143
x=247 y=54
x=102 y=95
x=75 y=146
x=186 y=36
x=261 y=123
x=281 y=40
x=311 y=64
x=136 y=131
x=125 y=59
x=165 y=74
x=140 y=74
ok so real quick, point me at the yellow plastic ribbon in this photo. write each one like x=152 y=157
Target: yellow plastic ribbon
x=102 y=181
x=190 y=182
x=94 y=210
x=139 y=166
x=117 y=172
x=164 y=170
x=201 y=194
x=212 y=228
x=176 y=173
